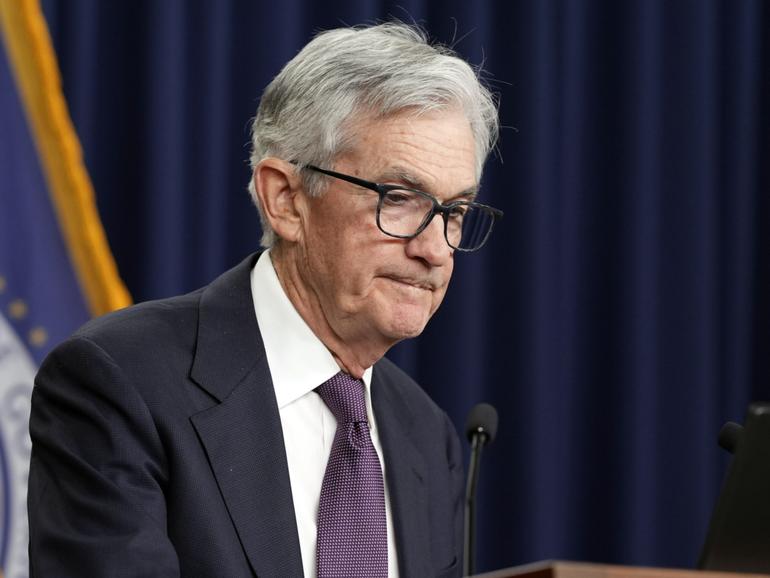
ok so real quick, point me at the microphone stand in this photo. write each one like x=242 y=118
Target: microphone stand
x=478 y=440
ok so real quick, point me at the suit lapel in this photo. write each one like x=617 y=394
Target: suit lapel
x=242 y=433
x=405 y=473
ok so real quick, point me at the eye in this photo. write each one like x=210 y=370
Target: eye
x=458 y=212
x=397 y=198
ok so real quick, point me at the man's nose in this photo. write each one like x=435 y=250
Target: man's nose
x=430 y=245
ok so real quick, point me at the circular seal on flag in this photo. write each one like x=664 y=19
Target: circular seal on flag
x=17 y=373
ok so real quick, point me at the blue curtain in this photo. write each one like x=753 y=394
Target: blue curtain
x=621 y=311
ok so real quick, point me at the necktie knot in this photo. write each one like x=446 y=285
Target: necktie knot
x=344 y=396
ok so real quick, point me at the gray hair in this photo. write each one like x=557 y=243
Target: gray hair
x=308 y=112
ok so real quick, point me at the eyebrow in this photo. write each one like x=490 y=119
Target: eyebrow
x=399 y=174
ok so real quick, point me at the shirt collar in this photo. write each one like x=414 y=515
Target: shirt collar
x=299 y=362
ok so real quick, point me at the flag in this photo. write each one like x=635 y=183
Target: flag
x=56 y=270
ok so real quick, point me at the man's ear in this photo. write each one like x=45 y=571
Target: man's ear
x=279 y=189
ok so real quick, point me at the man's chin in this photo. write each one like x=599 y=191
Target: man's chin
x=407 y=326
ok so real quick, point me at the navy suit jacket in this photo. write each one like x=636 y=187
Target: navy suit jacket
x=158 y=450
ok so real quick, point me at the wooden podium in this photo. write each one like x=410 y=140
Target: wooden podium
x=554 y=569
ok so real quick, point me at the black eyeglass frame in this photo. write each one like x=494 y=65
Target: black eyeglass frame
x=444 y=210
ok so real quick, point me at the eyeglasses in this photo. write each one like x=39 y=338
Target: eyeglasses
x=404 y=213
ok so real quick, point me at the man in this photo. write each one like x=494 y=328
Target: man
x=207 y=434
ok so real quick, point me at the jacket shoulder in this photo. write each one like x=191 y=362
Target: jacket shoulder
x=164 y=320
x=406 y=390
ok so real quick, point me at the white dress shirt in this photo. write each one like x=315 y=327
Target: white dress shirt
x=299 y=363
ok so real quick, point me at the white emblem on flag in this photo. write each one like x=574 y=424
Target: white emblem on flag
x=17 y=373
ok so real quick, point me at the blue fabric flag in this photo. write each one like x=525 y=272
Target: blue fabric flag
x=55 y=268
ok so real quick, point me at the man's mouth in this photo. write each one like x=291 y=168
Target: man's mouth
x=413 y=283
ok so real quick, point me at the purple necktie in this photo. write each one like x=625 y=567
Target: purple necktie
x=352 y=531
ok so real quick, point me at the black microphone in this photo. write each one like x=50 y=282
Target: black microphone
x=730 y=436
x=481 y=428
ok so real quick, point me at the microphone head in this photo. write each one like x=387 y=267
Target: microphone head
x=729 y=436
x=482 y=419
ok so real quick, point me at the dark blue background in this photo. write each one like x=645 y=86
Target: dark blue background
x=621 y=312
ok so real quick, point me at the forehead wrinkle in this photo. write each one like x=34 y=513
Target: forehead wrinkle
x=430 y=153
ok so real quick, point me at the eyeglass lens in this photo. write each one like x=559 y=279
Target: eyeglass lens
x=402 y=213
